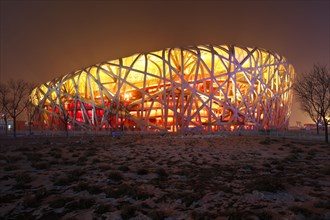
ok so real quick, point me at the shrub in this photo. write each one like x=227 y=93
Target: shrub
x=90 y=152
x=22 y=179
x=102 y=208
x=33 y=157
x=291 y=158
x=12 y=158
x=116 y=176
x=81 y=203
x=60 y=202
x=72 y=176
x=123 y=168
x=92 y=189
x=30 y=201
x=280 y=167
x=161 y=173
x=81 y=186
x=75 y=155
x=76 y=173
x=264 y=216
x=312 y=152
x=126 y=190
x=142 y=171
x=237 y=215
x=127 y=211
x=96 y=160
x=322 y=204
x=7 y=198
x=157 y=215
x=104 y=167
x=82 y=160
x=62 y=181
x=25 y=216
x=305 y=212
x=268 y=184
x=40 y=165
x=51 y=216
x=266 y=141
x=202 y=215
x=10 y=167
x=47 y=142
x=189 y=198
x=296 y=150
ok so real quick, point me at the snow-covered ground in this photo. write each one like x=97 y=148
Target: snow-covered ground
x=200 y=176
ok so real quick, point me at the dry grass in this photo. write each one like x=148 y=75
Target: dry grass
x=164 y=177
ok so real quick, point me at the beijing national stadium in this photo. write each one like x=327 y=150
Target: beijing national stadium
x=204 y=88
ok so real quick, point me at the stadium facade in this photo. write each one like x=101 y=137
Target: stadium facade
x=205 y=87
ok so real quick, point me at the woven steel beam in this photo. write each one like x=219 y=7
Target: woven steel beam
x=205 y=87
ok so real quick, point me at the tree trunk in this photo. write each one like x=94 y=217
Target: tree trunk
x=30 y=127
x=326 y=131
x=317 y=128
x=66 y=126
x=30 y=122
x=6 y=124
x=121 y=122
x=14 y=119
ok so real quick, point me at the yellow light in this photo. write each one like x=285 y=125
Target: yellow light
x=197 y=85
x=127 y=96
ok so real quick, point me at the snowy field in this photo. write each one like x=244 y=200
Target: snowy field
x=164 y=177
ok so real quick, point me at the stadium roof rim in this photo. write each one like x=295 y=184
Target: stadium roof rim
x=188 y=47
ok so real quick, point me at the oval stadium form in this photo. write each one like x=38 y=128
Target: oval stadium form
x=192 y=88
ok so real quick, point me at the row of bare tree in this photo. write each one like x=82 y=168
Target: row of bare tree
x=312 y=90
x=14 y=100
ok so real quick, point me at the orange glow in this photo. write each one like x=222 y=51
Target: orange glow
x=204 y=87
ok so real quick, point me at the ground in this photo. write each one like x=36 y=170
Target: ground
x=194 y=176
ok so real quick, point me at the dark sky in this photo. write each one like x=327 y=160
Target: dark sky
x=41 y=40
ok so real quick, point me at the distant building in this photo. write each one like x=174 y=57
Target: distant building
x=205 y=87
x=313 y=126
x=10 y=125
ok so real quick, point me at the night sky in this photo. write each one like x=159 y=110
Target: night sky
x=41 y=40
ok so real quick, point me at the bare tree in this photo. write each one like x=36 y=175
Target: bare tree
x=30 y=107
x=3 y=113
x=3 y=104
x=14 y=96
x=65 y=91
x=314 y=115
x=313 y=91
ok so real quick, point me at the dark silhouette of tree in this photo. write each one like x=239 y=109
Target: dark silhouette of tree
x=3 y=113
x=14 y=96
x=313 y=91
x=65 y=91
x=314 y=115
x=30 y=108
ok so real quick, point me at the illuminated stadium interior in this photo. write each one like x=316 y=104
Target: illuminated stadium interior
x=202 y=88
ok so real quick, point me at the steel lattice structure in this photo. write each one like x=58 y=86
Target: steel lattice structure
x=196 y=87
